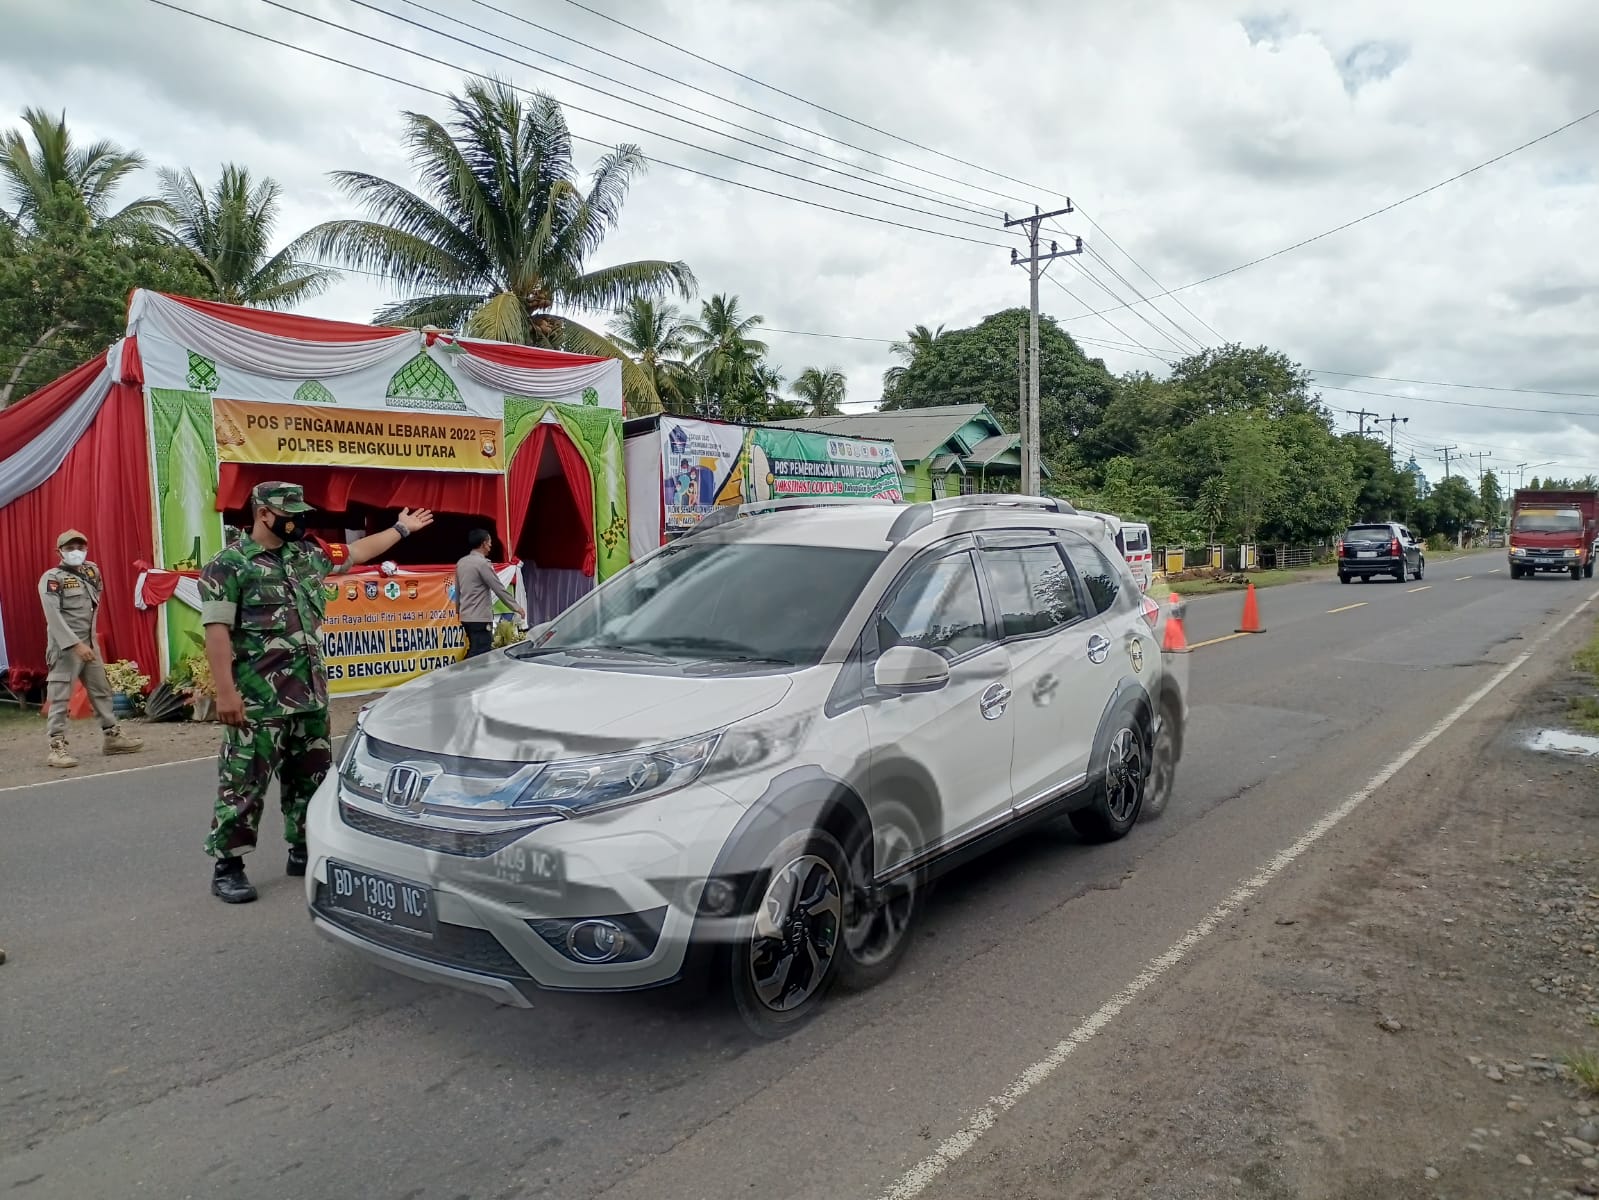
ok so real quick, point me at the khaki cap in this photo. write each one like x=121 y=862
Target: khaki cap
x=72 y=535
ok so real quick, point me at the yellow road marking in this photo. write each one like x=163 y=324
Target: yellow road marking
x=1347 y=607
x=1423 y=588
x=1458 y=578
x=1213 y=641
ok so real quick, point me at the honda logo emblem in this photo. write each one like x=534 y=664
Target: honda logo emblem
x=405 y=786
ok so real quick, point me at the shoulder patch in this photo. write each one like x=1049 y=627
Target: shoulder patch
x=54 y=584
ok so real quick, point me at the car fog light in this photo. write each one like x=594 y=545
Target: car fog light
x=596 y=941
x=718 y=897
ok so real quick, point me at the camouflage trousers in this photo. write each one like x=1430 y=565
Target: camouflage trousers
x=296 y=748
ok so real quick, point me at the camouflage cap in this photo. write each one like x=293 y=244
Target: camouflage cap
x=280 y=497
x=72 y=535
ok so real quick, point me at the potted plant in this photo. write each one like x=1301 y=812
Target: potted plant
x=127 y=686
x=201 y=688
x=506 y=633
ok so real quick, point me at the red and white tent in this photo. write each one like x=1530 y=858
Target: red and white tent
x=89 y=450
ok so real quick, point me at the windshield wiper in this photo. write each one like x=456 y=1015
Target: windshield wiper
x=721 y=648
x=594 y=651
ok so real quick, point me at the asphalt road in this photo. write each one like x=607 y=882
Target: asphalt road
x=156 y=1043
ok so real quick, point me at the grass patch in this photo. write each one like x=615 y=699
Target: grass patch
x=1263 y=579
x=1584 y=1067
x=14 y=714
x=1587 y=658
x=1584 y=714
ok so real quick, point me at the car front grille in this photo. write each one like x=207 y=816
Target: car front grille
x=464 y=843
x=459 y=946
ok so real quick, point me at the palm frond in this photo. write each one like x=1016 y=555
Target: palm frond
x=637 y=387
x=613 y=286
x=446 y=311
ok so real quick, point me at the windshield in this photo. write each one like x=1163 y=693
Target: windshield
x=730 y=601
x=1369 y=533
x=1549 y=520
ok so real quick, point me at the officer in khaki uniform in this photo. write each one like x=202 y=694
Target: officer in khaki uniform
x=70 y=593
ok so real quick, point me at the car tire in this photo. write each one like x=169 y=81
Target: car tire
x=1163 y=764
x=1342 y=578
x=1576 y=572
x=1118 y=795
x=1587 y=571
x=1515 y=571
x=877 y=935
x=1421 y=569
x=1403 y=572
x=803 y=876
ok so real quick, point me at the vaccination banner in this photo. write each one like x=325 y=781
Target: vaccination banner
x=793 y=462
x=697 y=460
x=381 y=631
x=249 y=431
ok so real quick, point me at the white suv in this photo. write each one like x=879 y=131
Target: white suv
x=747 y=753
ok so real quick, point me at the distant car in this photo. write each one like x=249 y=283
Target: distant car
x=1133 y=541
x=743 y=753
x=1381 y=548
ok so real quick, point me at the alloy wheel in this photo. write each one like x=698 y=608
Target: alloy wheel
x=873 y=931
x=795 y=933
x=1124 y=774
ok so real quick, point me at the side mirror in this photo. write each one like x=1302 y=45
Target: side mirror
x=910 y=670
x=534 y=632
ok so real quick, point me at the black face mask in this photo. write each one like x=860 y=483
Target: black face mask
x=289 y=528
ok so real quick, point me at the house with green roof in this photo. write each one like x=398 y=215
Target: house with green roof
x=947 y=450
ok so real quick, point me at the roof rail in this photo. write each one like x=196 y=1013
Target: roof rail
x=728 y=512
x=919 y=516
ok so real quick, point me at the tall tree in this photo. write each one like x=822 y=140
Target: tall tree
x=724 y=351
x=917 y=341
x=822 y=389
x=1491 y=499
x=228 y=232
x=501 y=231
x=655 y=336
x=39 y=159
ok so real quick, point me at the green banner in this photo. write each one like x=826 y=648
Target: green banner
x=190 y=528
x=597 y=434
x=795 y=462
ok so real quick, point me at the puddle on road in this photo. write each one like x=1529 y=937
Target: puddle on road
x=1563 y=741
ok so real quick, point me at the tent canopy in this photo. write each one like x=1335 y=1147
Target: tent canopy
x=143 y=447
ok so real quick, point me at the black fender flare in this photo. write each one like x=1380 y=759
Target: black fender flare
x=1131 y=695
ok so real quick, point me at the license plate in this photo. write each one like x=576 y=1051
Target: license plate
x=381 y=898
x=531 y=867
x=1366 y=554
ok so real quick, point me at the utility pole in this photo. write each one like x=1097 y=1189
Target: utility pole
x=1479 y=455
x=1396 y=419
x=1361 y=416
x=1021 y=399
x=1034 y=262
x=1445 y=451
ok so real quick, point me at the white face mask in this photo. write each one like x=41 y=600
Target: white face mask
x=74 y=558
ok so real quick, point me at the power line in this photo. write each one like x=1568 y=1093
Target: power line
x=1147 y=275
x=830 y=112
x=644 y=129
x=729 y=100
x=1376 y=212
x=966 y=208
x=665 y=162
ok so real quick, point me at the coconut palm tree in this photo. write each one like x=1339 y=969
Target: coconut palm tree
x=92 y=173
x=228 y=233
x=656 y=338
x=916 y=341
x=822 y=388
x=498 y=236
x=722 y=351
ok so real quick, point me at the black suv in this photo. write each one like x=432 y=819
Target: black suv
x=1380 y=549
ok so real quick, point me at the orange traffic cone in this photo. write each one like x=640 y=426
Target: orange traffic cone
x=1251 y=619
x=78 y=708
x=1174 y=642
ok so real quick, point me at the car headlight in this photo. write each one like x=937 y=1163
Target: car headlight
x=1517 y=550
x=582 y=786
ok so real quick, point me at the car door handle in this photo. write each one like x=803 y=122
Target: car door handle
x=994 y=699
x=1044 y=690
x=1098 y=649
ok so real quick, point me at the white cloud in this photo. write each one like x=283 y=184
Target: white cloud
x=1199 y=134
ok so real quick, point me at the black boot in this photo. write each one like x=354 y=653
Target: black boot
x=228 y=882
x=297 y=860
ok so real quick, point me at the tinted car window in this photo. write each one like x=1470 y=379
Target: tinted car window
x=1103 y=581
x=938 y=607
x=1138 y=540
x=1369 y=533
x=1032 y=589
x=734 y=600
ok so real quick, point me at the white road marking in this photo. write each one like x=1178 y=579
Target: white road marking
x=84 y=777
x=1458 y=578
x=923 y=1174
x=1213 y=641
x=1346 y=608
x=1426 y=587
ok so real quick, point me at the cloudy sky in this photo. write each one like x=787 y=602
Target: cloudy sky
x=1198 y=135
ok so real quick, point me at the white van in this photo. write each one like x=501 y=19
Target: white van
x=1133 y=540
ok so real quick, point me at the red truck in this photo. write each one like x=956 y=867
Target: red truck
x=1553 y=531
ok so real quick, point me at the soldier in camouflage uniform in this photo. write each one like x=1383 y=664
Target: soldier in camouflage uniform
x=70 y=594
x=262 y=606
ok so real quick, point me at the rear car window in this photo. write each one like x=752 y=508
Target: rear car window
x=1549 y=520
x=1102 y=581
x=1032 y=588
x=1138 y=540
x=1369 y=533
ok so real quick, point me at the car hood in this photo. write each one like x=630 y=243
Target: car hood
x=525 y=710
